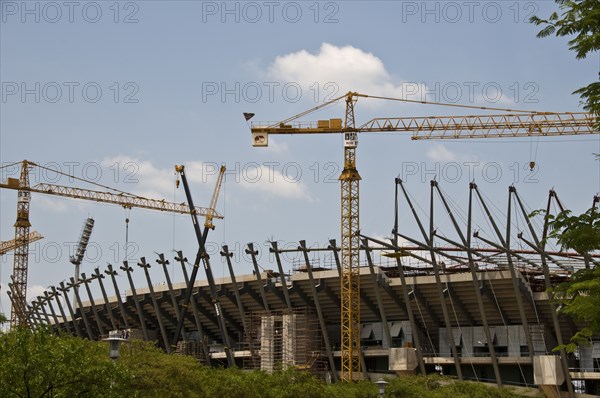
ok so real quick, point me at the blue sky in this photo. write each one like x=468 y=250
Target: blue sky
x=121 y=92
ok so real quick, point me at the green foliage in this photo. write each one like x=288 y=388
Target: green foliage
x=288 y=383
x=580 y=233
x=579 y=20
x=578 y=298
x=363 y=389
x=40 y=364
x=3 y=318
x=155 y=374
x=435 y=386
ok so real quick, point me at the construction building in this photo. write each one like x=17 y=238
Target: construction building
x=475 y=309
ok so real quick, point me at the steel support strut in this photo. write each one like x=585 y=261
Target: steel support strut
x=250 y=250
x=506 y=244
x=74 y=284
x=65 y=290
x=110 y=271
x=322 y=323
x=540 y=246
x=466 y=241
x=203 y=256
x=182 y=260
x=138 y=306
x=159 y=316
x=429 y=240
x=286 y=293
x=111 y=317
x=382 y=315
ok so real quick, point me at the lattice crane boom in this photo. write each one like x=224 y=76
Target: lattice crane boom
x=126 y=201
x=8 y=245
x=210 y=214
x=514 y=124
x=446 y=127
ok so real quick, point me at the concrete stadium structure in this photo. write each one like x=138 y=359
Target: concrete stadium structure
x=467 y=306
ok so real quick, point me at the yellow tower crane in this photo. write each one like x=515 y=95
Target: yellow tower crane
x=515 y=124
x=22 y=240
x=215 y=197
x=8 y=245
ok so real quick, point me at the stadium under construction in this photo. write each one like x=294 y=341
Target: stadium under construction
x=470 y=301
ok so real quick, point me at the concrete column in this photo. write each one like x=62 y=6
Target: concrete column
x=267 y=346
x=548 y=374
x=403 y=360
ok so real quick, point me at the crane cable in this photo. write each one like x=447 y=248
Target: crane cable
x=10 y=165
x=487 y=108
x=175 y=186
x=533 y=150
x=223 y=186
x=334 y=100
x=127 y=212
x=86 y=181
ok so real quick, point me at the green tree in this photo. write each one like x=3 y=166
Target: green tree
x=40 y=364
x=580 y=296
x=435 y=386
x=580 y=21
x=580 y=233
x=156 y=374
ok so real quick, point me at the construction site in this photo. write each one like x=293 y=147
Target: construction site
x=469 y=303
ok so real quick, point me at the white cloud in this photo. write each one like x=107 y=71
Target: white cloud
x=142 y=178
x=202 y=173
x=336 y=70
x=34 y=291
x=274 y=183
x=157 y=183
x=57 y=205
x=332 y=71
x=276 y=147
x=439 y=153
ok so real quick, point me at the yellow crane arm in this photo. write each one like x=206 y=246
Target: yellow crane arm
x=213 y=201
x=12 y=244
x=487 y=126
x=127 y=201
x=447 y=127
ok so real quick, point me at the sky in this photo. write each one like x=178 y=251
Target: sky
x=118 y=93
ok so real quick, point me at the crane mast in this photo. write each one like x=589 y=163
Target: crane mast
x=515 y=124
x=21 y=256
x=350 y=280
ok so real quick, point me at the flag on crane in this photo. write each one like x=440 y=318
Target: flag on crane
x=248 y=116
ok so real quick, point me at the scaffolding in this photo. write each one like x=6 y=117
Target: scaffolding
x=284 y=339
x=191 y=345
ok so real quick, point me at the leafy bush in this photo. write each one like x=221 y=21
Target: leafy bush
x=40 y=364
x=37 y=364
